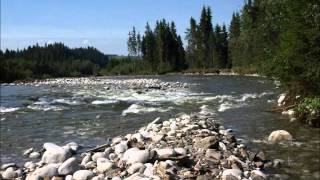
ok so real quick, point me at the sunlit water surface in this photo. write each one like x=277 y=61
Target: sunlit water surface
x=88 y=115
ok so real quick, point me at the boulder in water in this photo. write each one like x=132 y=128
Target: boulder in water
x=279 y=135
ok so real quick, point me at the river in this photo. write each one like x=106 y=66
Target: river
x=90 y=114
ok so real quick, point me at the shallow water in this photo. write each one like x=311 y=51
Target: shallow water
x=89 y=114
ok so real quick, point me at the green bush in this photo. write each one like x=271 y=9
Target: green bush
x=308 y=111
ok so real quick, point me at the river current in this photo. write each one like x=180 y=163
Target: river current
x=90 y=114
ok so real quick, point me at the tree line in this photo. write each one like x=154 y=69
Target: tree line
x=160 y=48
x=279 y=39
x=50 y=60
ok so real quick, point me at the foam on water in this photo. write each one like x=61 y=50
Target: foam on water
x=107 y=101
x=66 y=101
x=8 y=109
x=45 y=108
x=137 y=109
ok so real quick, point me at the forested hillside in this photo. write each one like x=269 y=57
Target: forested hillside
x=52 y=60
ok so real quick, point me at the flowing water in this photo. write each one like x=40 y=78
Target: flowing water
x=90 y=114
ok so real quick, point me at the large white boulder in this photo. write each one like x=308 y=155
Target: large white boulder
x=103 y=164
x=279 y=135
x=134 y=155
x=68 y=167
x=54 y=153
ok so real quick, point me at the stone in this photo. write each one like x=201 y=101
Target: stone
x=47 y=171
x=31 y=166
x=86 y=159
x=236 y=173
x=134 y=155
x=281 y=99
x=278 y=162
x=68 y=167
x=69 y=177
x=207 y=142
x=28 y=151
x=83 y=175
x=137 y=176
x=112 y=156
x=135 y=168
x=181 y=151
x=9 y=173
x=279 y=135
x=149 y=170
x=54 y=154
x=120 y=148
x=103 y=164
x=258 y=175
x=138 y=137
x=5 y=166
x=211 y=153
x=90 y=165
x=157 y=137
x=73 y=146
x=166 y=152
x=222 y=146
x=34 y=155
x=98 y=155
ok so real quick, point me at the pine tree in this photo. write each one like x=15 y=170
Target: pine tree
x=192 y=49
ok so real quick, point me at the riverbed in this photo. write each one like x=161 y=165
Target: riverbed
x=94 y=110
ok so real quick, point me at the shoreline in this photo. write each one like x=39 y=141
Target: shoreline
x=27 y=82
x=189 y=146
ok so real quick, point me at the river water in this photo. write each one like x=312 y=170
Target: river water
x=90 y=114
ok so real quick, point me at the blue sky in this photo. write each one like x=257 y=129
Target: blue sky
x=100 y=23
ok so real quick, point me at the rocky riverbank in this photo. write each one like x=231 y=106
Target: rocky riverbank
x=136 y=83
x=187 y=147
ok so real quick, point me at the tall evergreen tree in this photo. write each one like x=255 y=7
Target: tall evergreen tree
x=192 y=49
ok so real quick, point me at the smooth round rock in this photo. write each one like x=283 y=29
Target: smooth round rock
x=120 y=148
x=134 y=155
x=104 y=164
x=47 y=171
x=279 y=135
x=83 y=175
x=135 y=168
x=231 y=172
x=98 y=155
x=68 y=167
x=34 y=155
x=54 y=154
x=9 y=173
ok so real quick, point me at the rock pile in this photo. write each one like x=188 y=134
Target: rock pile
x=187 y=147
x=139 y=83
